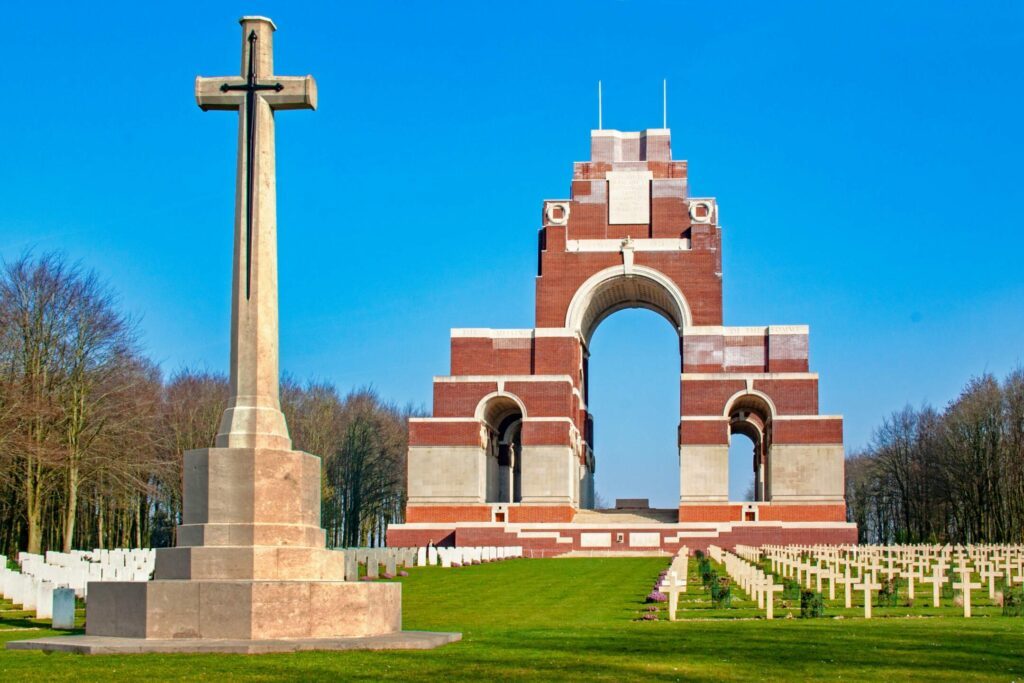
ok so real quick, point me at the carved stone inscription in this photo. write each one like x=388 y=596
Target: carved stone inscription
x=629 y=197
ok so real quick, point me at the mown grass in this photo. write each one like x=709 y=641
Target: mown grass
x=578 y=619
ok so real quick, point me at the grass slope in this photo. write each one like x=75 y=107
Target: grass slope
x=576 y=619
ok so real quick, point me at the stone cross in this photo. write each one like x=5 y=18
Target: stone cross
x=831 y=573
x=769 y=598
x=847 y=582
x=673 y=587
x=990 y=571
x=911 y=572
x=937 y=578
x=868 y=584
x=253 y=418
x=965 y=586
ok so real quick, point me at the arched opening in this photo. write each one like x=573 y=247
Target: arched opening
x=742 y=477
x=632 y=375
x=502 y=417
x=750 y=418
x=614 y=289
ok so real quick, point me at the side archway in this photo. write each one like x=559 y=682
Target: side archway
x=751 y=413
x=501 y=419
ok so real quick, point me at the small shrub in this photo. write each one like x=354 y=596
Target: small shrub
x=650 y=617
x=1013 y=603
x=657 y=596
x=812 y=605
x=709 y=578
x=889 y=594
x=403 y=573
x=790 y=589
x=386 y=575
x=651 y=608
x=699 y=554
x=721 y=594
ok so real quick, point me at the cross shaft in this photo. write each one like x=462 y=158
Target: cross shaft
x=253 y=418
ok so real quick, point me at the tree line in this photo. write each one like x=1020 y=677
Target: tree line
x=949 y=476
x=92 y=433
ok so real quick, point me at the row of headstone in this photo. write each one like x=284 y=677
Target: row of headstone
x=76 y=569
x=465 y=555
x=385 y=562
x=752 y=580
x=45 y=598
x=379 y=562
x=863 y=568
x=48 y=584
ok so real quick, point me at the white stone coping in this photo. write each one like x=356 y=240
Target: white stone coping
x=257 y=17
x=749 y=376
x=808 y=417
x=745 y=331
x=628 y=134
x=528 y=333
x=444 y=379
x=615 y=245
x=476 y=420
x=781 y=418
x=669 y=528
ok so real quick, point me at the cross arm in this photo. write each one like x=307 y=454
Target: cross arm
x=280 y=92
x=210 y=96
x=297 y=92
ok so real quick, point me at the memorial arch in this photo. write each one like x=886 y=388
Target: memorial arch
x=485 y=466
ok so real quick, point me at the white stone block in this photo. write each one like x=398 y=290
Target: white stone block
x=645 y=540
x=595 y=540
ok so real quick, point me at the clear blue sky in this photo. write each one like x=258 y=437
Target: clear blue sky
x=866 y=158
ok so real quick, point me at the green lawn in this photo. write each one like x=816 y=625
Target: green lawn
x=578 y=619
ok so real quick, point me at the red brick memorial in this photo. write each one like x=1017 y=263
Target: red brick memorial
x=508 y=456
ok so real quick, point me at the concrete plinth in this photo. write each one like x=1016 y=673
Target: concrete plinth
x=103 y=645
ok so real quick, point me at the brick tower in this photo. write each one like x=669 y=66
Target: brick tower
x=508 y=455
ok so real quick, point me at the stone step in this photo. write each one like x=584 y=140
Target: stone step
x=619 y=517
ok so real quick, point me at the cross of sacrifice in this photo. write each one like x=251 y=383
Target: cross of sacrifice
x=253 y=418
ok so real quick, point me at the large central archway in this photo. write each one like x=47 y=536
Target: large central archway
x=614 y=289
x=632 y=396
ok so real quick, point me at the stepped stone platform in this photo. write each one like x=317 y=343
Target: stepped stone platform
x=620 y=533
x=630 y=516
x=103 y=645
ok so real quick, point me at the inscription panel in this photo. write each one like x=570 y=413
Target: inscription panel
x=629 y=197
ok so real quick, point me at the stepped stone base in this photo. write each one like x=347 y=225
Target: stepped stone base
x=243 y=610
x=104 y=645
